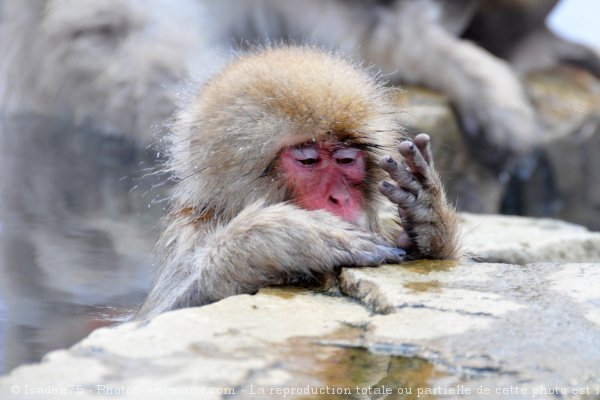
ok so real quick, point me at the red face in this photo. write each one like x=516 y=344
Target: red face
x=326 y=175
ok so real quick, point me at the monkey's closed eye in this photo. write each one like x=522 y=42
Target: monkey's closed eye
x=309 y=161
x=306 y=156
x=346 y=156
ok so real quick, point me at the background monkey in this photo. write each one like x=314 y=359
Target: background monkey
x=115 y=64
x=279 y=161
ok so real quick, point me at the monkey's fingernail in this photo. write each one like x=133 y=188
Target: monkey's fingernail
x=400 y=252
x=407 y=147
x=423 y=136
x=390 y=161
x=387 y=185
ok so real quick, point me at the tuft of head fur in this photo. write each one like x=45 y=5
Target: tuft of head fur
x=225 y=143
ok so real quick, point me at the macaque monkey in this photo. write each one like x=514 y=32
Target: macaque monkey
x=280 y=161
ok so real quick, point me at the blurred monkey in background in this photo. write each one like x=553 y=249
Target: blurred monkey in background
x=515 y=30
x=115 y=64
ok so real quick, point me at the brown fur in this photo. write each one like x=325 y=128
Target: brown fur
x=233 y=228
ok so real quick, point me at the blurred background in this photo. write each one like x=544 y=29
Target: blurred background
x=509 y=90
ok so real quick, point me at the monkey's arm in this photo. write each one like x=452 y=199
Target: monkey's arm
x=262 y=246
x=412 y=43
x=430 y=223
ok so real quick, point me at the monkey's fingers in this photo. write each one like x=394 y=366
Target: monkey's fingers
x=399 y=173
x=391 y=255
x=377 y=256
x=423 y=142
x=397 y=195
x=415 y=160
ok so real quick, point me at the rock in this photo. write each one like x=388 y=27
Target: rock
x=538 y=321
x=520 y=240
x=565 y=97
x=230 y=345
x=445 y=329
x=564 y=181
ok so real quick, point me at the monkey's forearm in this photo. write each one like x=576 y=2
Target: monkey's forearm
x=438 y=238
x=430 y=228
x=492 y=103
x=280 y=243
x=262 y=246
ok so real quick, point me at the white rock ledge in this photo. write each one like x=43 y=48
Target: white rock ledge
x=446 y=326
x=520 y=240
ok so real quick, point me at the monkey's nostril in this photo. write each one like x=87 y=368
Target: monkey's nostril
x=339 y=201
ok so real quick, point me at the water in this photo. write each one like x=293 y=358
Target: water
x=357 y=374
x=75 y=240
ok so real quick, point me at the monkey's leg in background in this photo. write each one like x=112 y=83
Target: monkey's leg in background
x=263 y=246
x=490 y=100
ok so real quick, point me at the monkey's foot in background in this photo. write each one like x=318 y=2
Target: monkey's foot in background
x=429 y=223
x=500 y=135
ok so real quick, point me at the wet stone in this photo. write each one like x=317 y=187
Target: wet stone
x=424 y=329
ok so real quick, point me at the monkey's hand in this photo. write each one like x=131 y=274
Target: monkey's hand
x=429 y=222
x=281 y=243
x=288 y=238
x=263 y=245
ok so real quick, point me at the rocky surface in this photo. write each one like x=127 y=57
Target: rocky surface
x=561 y=178
x=520 y=240
x=528 y=327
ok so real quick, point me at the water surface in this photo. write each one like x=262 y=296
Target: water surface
x=78 y=224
